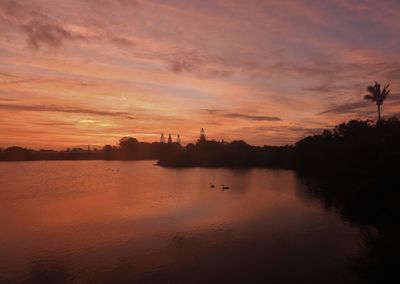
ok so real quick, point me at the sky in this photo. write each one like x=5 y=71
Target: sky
x=267 y=72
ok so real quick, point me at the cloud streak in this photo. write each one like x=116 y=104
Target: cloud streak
x=63 y=109
x=252 y=117
x=242 y=116
x=346 y=108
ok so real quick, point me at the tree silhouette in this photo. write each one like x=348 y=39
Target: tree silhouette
x=377 y=95
x=127 y=141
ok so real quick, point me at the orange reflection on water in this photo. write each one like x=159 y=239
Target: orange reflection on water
x=96 y=220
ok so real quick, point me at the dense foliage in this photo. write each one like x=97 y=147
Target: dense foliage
x=224 y=154
x=353 y=148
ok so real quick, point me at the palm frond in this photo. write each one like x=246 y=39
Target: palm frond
x=385 y=92
x=368 y=97
x=377 y=86
x=371 y=89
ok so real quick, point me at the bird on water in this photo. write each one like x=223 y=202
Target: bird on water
x=225 y=187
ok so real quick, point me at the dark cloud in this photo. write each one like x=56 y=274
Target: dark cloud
x=7 y=100
x=13 y=10
x=327 y=69
x=324 y=88
x=291 y=132
x=252 y=117
x=16 y=82
x=241 y=115
x=345 y=108
x=57 y=124
x=120 y=41
x=55 y=108
x=198 y=63
x=283 y=65
x=39 y=33
x=181 y=66
x=52 y=34
x=212 y=111
x=8 y=75
x=40 y=29
x=288 y=130
x=198 y=68
x=331 y=92
x=360 y=108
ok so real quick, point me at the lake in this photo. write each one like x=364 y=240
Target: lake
x=134 y=222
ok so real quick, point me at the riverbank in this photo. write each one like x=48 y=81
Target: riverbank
x=353 y=149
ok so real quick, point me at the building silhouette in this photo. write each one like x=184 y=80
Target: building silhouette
x=202 y=135
x=178 y=139
x=162 y=138
x=169 y=139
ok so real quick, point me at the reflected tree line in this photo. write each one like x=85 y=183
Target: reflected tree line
x=369 y=199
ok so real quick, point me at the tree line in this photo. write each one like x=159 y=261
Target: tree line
x=128 y=148
x=357 y=147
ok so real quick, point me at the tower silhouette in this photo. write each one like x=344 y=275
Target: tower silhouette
x=162 y=138
x=202 y=135
x=178 y=139
x=169 y=139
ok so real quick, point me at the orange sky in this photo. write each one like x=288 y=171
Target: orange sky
x=269 y=72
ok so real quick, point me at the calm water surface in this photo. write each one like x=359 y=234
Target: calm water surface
x=102 y=222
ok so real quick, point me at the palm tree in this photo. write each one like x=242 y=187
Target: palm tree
x=377 y=95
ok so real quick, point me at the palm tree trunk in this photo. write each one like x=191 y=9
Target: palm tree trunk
x=379 y=112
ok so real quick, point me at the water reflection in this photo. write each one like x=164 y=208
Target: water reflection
x=43 y=274
x=372 y=212
x=83 y=221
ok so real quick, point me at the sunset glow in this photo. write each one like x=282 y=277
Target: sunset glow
x=268 y=72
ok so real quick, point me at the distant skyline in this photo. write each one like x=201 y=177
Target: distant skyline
x=268 y=72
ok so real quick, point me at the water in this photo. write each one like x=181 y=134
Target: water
x=102 y=222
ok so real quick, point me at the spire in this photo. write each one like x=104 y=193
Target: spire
x=162 y=138
x=178 y=139
x=202 y=135
x=169 y=139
